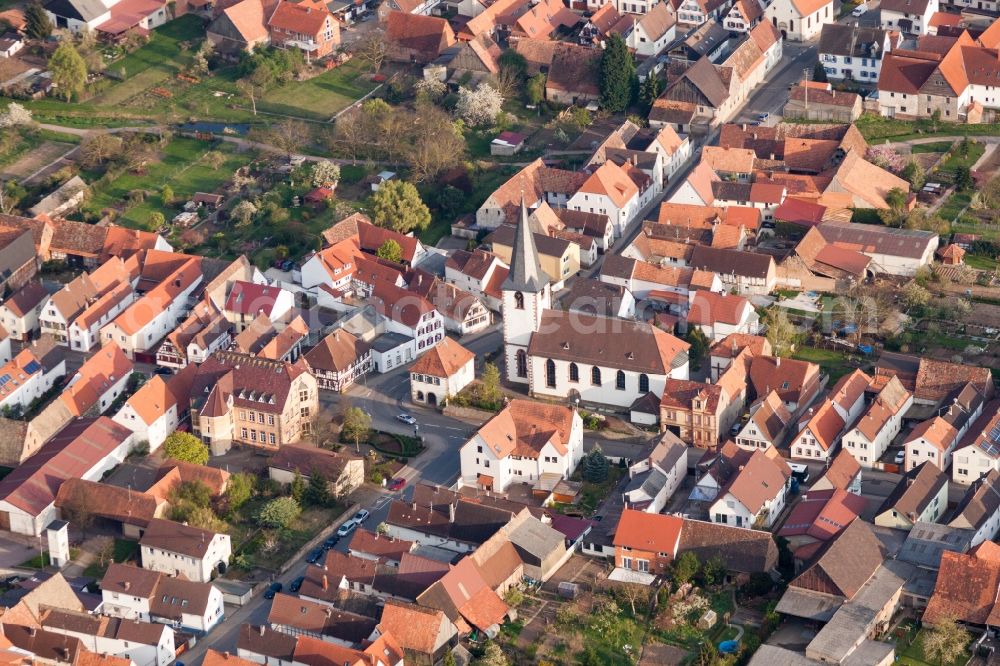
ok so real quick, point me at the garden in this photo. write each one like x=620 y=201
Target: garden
x=945 y=644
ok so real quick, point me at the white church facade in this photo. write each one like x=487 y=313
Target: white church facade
x=575 y=356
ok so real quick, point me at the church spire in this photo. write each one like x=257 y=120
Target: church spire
x=526 y=273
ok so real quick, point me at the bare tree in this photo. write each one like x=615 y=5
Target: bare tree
x=373 y=49
x=507 y=82
x=633 y=593
x=435 y=144
x=288 y=136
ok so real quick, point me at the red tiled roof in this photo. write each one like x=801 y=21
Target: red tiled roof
x=967 y=587
x=650 y=532
x=443 y=360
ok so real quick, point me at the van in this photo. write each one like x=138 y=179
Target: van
x=799 y=471
x=859 y=10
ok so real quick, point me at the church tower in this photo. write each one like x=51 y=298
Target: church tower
x=526 y=295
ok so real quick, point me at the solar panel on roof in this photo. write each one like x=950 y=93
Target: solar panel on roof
x=33 y=366
x=4 y=379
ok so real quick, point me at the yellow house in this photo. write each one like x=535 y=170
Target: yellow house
x=559 y=258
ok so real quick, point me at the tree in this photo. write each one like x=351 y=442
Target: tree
x=318 y=491
x=433 y=144
x=507 y=82
x=963 y=178
x=699 y=346
x=15 y=116
x=100 y=148
x=297 y=488
x=480 y=106
x=492 y=656
x=514 y=61
x=254 y=85
x=357 y=425
x=819 y=73
x=449 y=659
x=214 y=159
x=595 y=466
x=69 y=71
x=38 y=25
x=156 y=219
x=896 y=198
x=685 y=568
x=914 y=174
x=397 y=206
x=633 y=593
x=431 y=90
x=373 y=49
x=287 y=136
x=649 y=91
x=946 y=641
x=79 y=510
x=489 y=390
x=240 y=489
x=534 y=90
x=325 y=173
x=166 y=195
x=713 y=572
x=243 y=212
x=617 y=75
x=279 y=513
x=780 y=331
x=390 y=251
x=185 y=447
x=915 y=296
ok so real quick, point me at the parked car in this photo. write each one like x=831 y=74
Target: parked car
x=735 y=429
x=900 y=457
x=272 y=590
x=799 y=471
x=361 y=516
x=347 y=528
x=860 y=10
x=315 y=556
x=297 y=584
x=397 y=484
x=330 y=542
x=406 y=418
x=762 y=117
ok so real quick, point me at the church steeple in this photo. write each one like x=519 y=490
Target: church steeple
x=526 y=274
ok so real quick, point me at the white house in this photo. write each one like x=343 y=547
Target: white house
x=156 y=409
x=249 y=300
x=674 y=148
x=29 y=375
x=77 y=15
x=800 y=20
x=149 y=596
x=979 y=509
x=819 y=433
x=907 y=16
x=869 y=437
x=696 y=190
x=528 y=442
x=84 y=330
x=333 y=266
x=743 y=15
x=653 y=32
x=848 y=395
x=932 y=440
x=720 y=315
x=441 y=373
x=853 y=51
x=141 y=326
x=410 y=314
x=478 y=272
x=768 y=420
x=176 y=549
x=611 y=190
x=19 y=313
x=390 y=350
x=129 y=639
x=978 y=453
x=655 y=478
x=696 y=12
x=755 y=496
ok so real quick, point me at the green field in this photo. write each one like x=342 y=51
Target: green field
x=180 y=166
x=935 y=147
x=131 y=101
x=832 y=362
x=875 y=128
x=955 y=204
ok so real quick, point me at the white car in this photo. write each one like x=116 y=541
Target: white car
x=406 y=418
x=347 y=528
x=860 y=10
x=361 y=516
x=900 y=457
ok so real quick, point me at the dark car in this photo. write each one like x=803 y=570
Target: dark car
x=297 y=584
x=330 y=542
x=272 y=590
x=397 y=484
x=315 y=556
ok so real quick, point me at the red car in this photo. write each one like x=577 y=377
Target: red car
x=397 y=484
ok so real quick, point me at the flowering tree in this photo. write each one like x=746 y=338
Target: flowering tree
x=885 y=157
x=15 y=115
x=480 y=106
x=325 y=173
x=243 y=212
x=433 y=89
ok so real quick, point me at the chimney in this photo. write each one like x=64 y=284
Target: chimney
x=414 y=506
x=777 y=361
x=326 y=583
x=451 y=513
x=127 y=585
x=261 y=629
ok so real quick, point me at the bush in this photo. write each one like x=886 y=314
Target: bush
x=280 y=513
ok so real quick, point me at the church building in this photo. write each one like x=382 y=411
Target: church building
x=581 y=357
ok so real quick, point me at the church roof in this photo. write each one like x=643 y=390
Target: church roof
x=525 y=271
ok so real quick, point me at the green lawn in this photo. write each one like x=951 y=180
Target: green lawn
x=955 y=160
x=914 y=655
x=179 y=165
x=321 y=97
x=875 y=128
x=936 y=147
x=955 y=204
x=980 y=262
x=832 y=362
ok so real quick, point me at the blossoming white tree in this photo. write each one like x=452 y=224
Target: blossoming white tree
x=480 y=106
